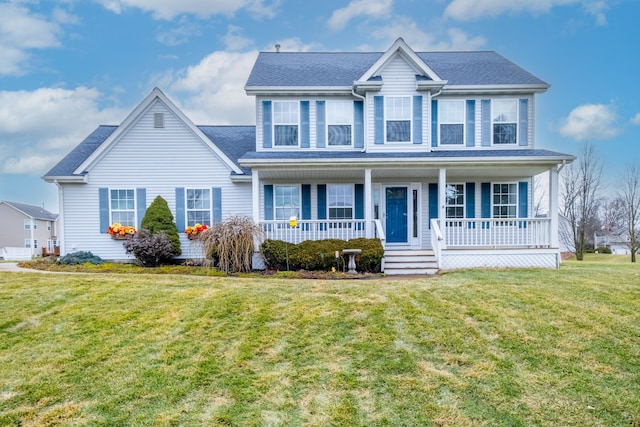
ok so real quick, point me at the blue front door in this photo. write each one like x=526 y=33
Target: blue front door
x=397 y=217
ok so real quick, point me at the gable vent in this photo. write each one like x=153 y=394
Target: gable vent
x=158 y=120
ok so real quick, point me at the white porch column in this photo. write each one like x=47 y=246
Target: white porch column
x=442 y=195
x=554 y=207
x=368 y=204
x=255 y=195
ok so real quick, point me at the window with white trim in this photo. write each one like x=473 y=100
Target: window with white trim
x=339 y=123
x=455 y=201
x=123 y=207
x=505 y=200
x=287 y=201
x=27 y=243
x=504 y=117
x=340 y=201
x=285 y=123
x=198 y=206
x=451 y=120
x=397 y=116
x=27 y=224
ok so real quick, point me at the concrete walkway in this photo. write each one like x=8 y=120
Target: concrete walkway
x=13 y=267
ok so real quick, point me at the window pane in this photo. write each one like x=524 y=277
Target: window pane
x=505 y=200
x=504 y=111
x=123 y=207
x=198 y=206
x=287 y=201
x=504 y=133
x=339 y=135
x=286 y=135
x=340 y=198
x=451 y=134
x=455 y=201
x=398 y=131
x=451 y=111
x=339 y=112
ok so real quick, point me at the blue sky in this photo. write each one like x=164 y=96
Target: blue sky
x=68 y=66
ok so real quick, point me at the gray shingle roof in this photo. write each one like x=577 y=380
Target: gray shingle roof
x=317 y=155
x=71 y=161
x=36 y=212
x=304 y=69
x=234 y=141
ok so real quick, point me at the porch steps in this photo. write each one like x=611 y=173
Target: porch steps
x=398 y=262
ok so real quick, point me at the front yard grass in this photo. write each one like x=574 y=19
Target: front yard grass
x=466 y=348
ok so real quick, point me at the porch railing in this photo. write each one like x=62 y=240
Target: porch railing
x=314 y=230
x=485 y=232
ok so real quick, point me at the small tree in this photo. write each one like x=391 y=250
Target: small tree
x=630 y=196
x=580 y=197
x=159 y=219
x=230 y=244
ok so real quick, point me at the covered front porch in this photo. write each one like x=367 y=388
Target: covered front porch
x=410 y=208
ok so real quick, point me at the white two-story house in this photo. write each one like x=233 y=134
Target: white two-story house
x=434 y=153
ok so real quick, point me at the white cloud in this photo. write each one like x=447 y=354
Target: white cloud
x=22 y=31
x=37 y=128
x=590 y=122
x=168 y=9
x=369 y=8
x=636 y=119
x=469 y=10
x=234 y=40
x=420 y=40
x=180 y=34
x=212 y=92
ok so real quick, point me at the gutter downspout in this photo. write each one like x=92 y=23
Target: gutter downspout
x=560 y=167
x=364 y=120
x=60 y=226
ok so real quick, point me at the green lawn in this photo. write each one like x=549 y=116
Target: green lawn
x=469 y=348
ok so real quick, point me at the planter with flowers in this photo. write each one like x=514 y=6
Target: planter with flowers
x=121 y=232
x=193 y=231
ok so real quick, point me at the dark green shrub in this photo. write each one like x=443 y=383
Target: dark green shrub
x=319 y=255
x=80 y=257
x=603 y=250
x=159 y=219
x=151 y=250
x=371 y=256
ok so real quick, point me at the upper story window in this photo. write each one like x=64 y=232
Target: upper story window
x=504 y=115
x=339 y=123
x=122 y=207
x=287 y=201
x=455 y=201
x=505 y=200
x=398 y=118
x=285 y=123
x=340 y=201
x=28 y=223
x=451 y=119
x=198 y=206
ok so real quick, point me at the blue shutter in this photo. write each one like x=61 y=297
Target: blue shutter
x=485 y=202
x=523 y=199
x=321 y=125
x=322 y=201
x=266 y=124
x=417 y=119
x=485 y=131
x=359 y=196
x=524 y=122
x=304 y=124
x=358 y=124
x=180 y=210
x=103 y=200
x=433 y=202
x=378 y=119
x=470 y=199
x=268 y=202
x=141 y=203
x=434 y=123
x=306 y=201
x=471 y=123
x=216 y=199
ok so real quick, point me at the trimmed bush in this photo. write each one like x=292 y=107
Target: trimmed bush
x=150 y=250
x=319 y=255
x=159 y=219
x=80 y=257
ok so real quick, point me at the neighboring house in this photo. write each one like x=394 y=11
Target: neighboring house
x=618 y=242
x=28 y=227
x=434 y=153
